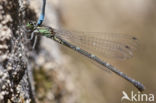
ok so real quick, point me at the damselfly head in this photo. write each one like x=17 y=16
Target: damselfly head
x=31 y=26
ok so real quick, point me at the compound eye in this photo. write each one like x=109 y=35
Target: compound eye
x=31 y=23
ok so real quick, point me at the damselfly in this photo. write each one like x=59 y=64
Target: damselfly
x=93 y=45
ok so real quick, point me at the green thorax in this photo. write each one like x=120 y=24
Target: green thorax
x=44 y=31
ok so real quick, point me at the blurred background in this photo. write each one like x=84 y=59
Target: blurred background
x=88 y=83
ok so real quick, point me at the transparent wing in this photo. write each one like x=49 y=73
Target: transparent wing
x=120 y=46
